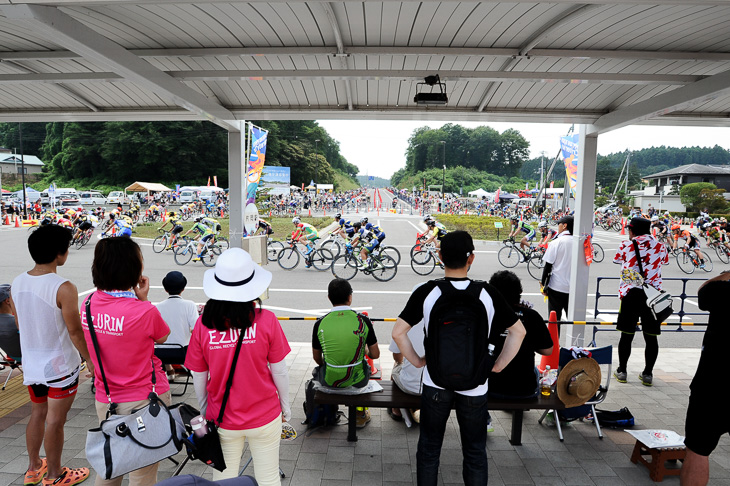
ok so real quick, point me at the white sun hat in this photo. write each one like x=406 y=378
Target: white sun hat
x=236 y=278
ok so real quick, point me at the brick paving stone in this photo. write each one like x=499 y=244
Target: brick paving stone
x=540 y=468
x=396 y=472
x=308 y=460
x=396 y=456
x=369 y=478
x=306 y=477
x=366 y=463
x=340 y=454
x=515 y=475
x=338 y=470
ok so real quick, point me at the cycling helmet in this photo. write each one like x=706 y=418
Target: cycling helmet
x=198 y=219
x=431 y=223
x=364 y=220
x=543 y=224
x=427 y=217
x=172 y=213
x=706 y=226
x=675 y=227
x=514 y=217
x=338 y=216
x=654 y=219
x=296 y=220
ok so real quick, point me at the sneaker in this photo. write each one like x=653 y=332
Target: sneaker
x=196 y=259
x=621 y=376
x=69 y=477
x=490 y=427
x=646 y=379
x=307 y=265
x=362 y=419
x=35 y=477
x=702 y=266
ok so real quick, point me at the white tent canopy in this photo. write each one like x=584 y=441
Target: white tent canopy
x=480 y=193
x=147 y=187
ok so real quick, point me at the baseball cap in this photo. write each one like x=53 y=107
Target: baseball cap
x=190 y=480
x=640 y=226
x=4 y=292
x=174 y=282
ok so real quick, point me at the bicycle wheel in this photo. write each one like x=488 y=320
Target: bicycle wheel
x=288 y=258
x=708 y=262
x=722 y=254
x=322 y=259
x=685 y=263
x=344 y=267
x=79 y=243
x=423 y=263
x=509 y=256
x=617 y=226
x=392 y=252
x=415 y=248
x=384 y=268
x=210 y=255
x=535 y=266
x=273 y=248
x=332 y=246
x=184 y=255
x=598 y=254
x=160 y=243
x=223 y=243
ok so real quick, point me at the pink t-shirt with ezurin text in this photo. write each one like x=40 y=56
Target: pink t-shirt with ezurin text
x=253 y=400
x=126 y=329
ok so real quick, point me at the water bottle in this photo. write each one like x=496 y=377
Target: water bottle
x=199 y=426
x=546 y=388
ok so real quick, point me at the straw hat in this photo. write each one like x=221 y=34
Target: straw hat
x=235 y=277
x=578 y=382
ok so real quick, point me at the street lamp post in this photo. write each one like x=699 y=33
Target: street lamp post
x=443 y=179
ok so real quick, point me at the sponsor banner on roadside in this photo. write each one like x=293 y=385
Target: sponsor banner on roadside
x=569 y=151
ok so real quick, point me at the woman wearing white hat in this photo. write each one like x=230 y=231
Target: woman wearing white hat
x=233 y=318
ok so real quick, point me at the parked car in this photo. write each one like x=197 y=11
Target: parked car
x=117 y=197
x=187 y=197
x=608 y=207
x=92 y=197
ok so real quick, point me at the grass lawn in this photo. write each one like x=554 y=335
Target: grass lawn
x=283 y=227
x=479 y=227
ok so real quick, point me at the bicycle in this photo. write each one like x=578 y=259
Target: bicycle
x=598 y=253
x=273 y=248
x=288 y=258
x=162 y=242
x=687 y=260
x=208 y=255
x=723 y=253
x=334 y=243
x=511 y=254
x=81 y=239
x=425 y=260
x=346 y=266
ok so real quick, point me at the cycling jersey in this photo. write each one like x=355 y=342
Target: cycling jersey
x=376 y=231
x=522 y=226
x=440 y=231
x=344 y=223
x=692 y=241
x=307 y=230
x=213 y=224
x=175 y=221
x=549 y=235
x=202 y=229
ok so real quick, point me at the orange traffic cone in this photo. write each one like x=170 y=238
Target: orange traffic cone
x=691 y=224
x=17 y=222
x=553 y=360
x=7 y=220
x=310 y=212
x=623 y=226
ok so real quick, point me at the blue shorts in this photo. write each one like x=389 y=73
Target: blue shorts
x=530 y=236
x=206 y=238
x=372 y=245
x=125 y=232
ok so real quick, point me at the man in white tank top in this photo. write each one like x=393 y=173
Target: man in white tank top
x=52 y=342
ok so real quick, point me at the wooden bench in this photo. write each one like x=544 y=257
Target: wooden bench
x=394 y=397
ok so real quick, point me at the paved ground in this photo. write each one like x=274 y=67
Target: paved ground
x=386 y=450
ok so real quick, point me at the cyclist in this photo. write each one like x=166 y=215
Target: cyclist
x=175 y=228
x=265 y=227
x=691 y=242
x=204 y=233
x=716 y=234
x=546 y=232
x=120 y=226
x=366 y=236
x=213 y=224
x=155 y=210
x=306 y=231
x=435 y=229
x=83 y=223
x=662 y=232
x=344 y=228
x=529 y=231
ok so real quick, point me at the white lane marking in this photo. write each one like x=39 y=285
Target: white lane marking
x=315 y=291
x=87 y=292
x=417 y=228
x=287 y=309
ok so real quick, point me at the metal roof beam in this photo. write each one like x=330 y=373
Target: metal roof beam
x=676 y=100
x=64 y=30
x=367 y=75
x=91 y=3
x=350 y=51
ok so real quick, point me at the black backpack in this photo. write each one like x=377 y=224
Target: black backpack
x=318 y=415
x=458 y=335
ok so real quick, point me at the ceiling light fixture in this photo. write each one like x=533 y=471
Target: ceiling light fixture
x=430 y=98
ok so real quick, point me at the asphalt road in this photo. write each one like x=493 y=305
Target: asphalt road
x=302 y=292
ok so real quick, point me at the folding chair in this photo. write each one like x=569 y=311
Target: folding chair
x=174 y=354
x=12 y=364
x=603 y=356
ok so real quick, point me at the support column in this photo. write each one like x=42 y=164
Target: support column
x=582 y=227
x=236 y=174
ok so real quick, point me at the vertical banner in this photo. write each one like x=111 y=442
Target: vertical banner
x=254 y=166
x=215 y=180
x=569 y=151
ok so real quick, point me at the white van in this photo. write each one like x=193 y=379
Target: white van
x=187 y=197
x=94 y=198
x=117 y=197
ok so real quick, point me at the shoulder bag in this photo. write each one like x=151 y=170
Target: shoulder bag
x=125 y=443
x=208 y=447
x=658 y=301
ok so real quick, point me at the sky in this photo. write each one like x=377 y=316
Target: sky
x=378 y=147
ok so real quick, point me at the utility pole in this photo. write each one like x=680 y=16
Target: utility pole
x=22 y=171
x=316 y=167
x=443 y=179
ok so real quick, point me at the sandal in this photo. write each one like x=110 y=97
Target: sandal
x=35 y=477
x=69 y=477
x=397 y=418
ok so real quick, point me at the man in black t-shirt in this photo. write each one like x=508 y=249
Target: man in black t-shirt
x=708 y=393
x=457 y=254
x=520 y=378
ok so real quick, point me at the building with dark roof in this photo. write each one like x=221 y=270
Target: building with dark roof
x=688 y=174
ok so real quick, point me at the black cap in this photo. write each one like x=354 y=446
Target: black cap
x=640 y=226
x=174 y=282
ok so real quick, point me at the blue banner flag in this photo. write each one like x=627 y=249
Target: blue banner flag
x=569 y=152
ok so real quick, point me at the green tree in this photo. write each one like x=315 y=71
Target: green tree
x=690 y=194
x=713 y=200
x=34 y=135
